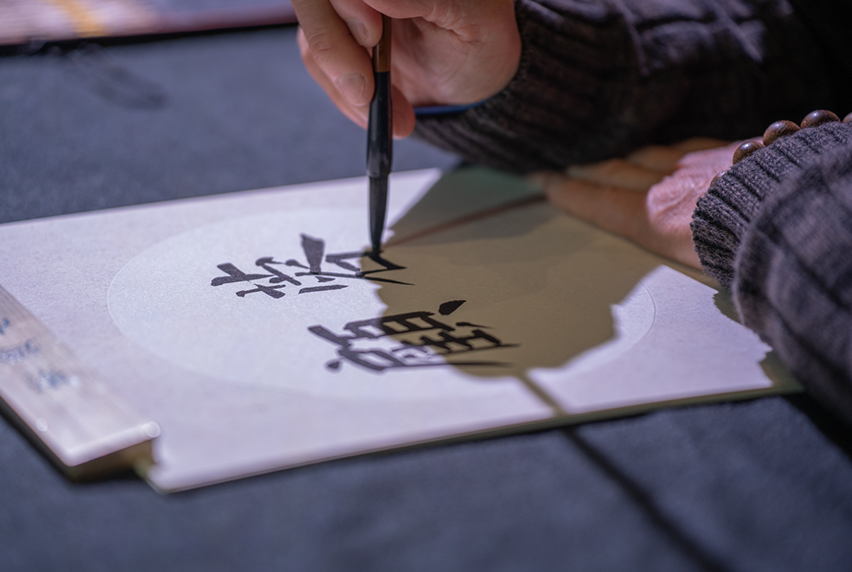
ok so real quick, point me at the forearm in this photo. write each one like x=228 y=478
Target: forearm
x=600 y=80
x=777 y=230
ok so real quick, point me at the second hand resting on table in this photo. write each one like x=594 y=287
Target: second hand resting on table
x=648 y=197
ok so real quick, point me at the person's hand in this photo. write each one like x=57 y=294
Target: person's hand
x=444 y=52
x=649 y=197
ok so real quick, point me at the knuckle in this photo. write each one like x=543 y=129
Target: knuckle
x=322 y=46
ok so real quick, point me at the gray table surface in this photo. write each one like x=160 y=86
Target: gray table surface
x=757 y=485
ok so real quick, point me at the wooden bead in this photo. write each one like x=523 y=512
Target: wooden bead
x=778 y=130
x=848 y=118
x=746 y=149
x=818 y=117
x=717 y=177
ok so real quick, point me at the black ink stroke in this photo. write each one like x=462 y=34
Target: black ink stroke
x=274 y=280
x=448 y=308
x=375 y=344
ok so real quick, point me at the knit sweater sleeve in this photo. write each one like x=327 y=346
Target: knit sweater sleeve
x=598 y=78
x=777 y=230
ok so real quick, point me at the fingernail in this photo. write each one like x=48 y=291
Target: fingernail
x=352 y=87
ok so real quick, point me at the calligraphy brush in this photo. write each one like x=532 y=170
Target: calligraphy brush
x=380 y=136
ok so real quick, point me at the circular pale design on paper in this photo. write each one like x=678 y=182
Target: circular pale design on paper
x=276 y=300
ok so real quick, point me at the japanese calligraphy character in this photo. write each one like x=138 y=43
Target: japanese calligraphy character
x=415 y=339
x=314 y=249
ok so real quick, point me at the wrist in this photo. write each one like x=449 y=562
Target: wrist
x=735 y=198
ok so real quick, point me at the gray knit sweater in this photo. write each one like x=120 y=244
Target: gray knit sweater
x=777 y=230
x=600 y=78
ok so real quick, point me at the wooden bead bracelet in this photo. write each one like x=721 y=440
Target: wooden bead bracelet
x=783 y=128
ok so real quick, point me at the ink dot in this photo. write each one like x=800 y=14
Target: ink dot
x=448 y=308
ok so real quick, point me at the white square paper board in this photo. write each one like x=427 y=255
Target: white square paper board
x=552 y=320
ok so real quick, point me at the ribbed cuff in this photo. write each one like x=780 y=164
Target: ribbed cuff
x=725 y=213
